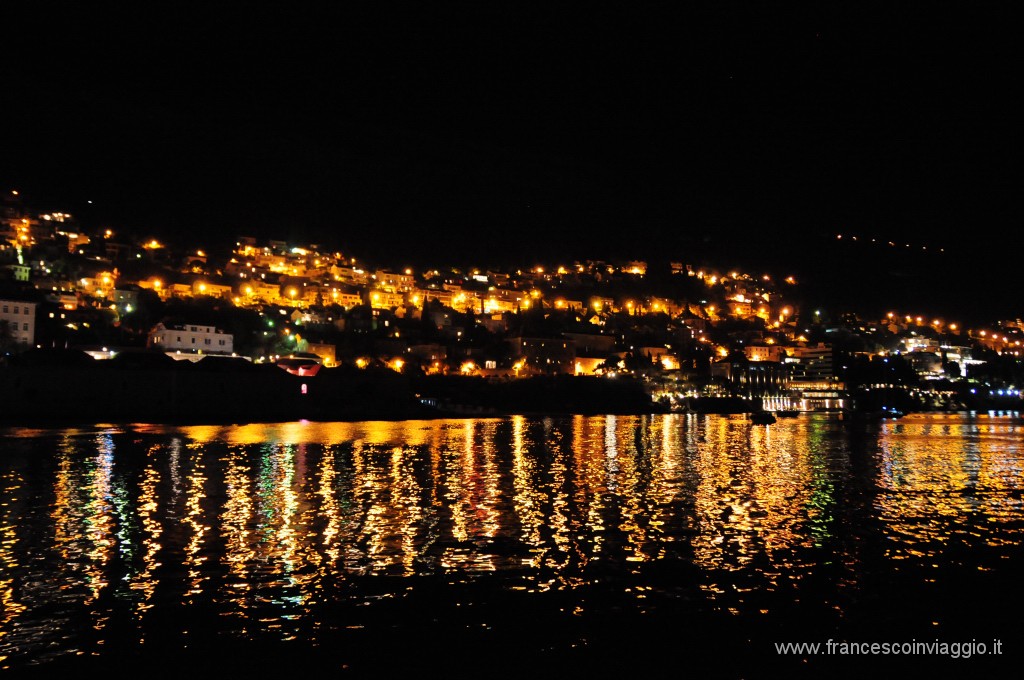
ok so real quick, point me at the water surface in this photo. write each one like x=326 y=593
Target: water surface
x=532 y=545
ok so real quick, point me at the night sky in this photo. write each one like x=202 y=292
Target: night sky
x=497 y=132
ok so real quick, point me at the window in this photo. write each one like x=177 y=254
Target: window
x=220 y=342
x=206 y=341
x=5 y=309
x=24 y=326
x=193 y=341
x=16 y=311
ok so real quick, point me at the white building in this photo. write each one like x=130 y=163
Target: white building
x=191 y=338
x=20 y=319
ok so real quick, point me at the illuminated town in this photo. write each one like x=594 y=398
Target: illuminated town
x=526 y=340
x=696 y=338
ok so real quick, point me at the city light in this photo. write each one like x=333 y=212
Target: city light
x=397 y=302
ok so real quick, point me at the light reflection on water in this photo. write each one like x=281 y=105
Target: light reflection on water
x=112 y=536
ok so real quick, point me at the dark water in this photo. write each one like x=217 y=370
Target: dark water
x=678 y=544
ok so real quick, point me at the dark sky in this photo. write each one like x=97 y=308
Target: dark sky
x=482 y=131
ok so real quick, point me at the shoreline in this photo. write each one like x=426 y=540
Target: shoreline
x=187 y=394
x=432 y=415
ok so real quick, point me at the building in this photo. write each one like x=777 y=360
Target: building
x=341 y=295
x=429 y=355
x=764 y=381
x=764 y=353
x=18 y=322
x=812 y=363
x=591 y=343
x=393 y=282
x=381 y=299
x=18 y=271
x=546 y=355
x=190 y=338
x=810 y=395
x=326 y=352
x=126 y=299
x=209 y=288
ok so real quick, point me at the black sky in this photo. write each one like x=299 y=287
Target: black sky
x=498 y=130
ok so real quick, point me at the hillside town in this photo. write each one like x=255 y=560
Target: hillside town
x=691 y=333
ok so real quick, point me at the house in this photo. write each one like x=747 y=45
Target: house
x=18 y=271
x=260 y=291
x=428 y=354
x=546 y=355
x=424 y=295
x=19 y=319
x=326 y=352
x=381 y=299
x=764 y=352
x=342 y=295
x=201 y=287
x=393 y=282
x=190 y=338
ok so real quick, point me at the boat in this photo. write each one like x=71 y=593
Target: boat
x=301 y=364
x=883 y=413
x=762 y=418
x=787 y=413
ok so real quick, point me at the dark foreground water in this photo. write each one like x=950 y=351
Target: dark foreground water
x=677 y=545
